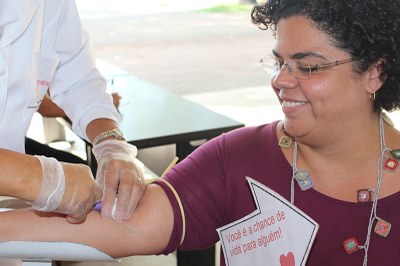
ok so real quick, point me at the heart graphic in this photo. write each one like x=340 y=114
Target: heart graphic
x=287 y=260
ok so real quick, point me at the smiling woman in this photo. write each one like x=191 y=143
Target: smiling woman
x=334 y=156
x=316 y=82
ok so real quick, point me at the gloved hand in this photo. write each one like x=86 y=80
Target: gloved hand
x=122 y=181
x=67 y=188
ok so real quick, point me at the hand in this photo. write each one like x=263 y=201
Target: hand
x=116 y=99
x=67 y=188
x=122 y=181
x=81 y=192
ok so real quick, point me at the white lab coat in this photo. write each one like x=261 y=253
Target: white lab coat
x=43 y=48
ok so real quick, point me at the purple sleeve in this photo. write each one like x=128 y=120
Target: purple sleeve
x=199 y=181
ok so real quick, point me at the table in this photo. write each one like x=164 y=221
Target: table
x=153 y=116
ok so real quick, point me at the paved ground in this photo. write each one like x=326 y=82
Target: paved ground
x=183 y=51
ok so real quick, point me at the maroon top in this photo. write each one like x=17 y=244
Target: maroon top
x=212 y=187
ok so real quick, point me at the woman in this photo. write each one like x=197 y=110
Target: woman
x=334 y=156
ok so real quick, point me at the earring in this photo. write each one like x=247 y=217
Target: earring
x=372 y=96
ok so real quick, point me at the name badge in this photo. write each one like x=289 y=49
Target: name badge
x=277 y=233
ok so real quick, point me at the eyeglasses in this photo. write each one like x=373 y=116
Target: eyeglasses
x=299 y=69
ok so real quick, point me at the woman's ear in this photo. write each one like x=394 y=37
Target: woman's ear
x=376 y=78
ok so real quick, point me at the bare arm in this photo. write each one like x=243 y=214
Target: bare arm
x=146 y=232
x=20 y=175
x=49 y=109
x=98 y=126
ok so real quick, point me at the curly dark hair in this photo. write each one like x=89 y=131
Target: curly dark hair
x=367 y=29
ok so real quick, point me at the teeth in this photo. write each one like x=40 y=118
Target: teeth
x=292 y=104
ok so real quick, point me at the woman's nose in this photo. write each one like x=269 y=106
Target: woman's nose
x=283 y=78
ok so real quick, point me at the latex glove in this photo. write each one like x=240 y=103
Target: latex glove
x=67 y=188
x=122 y=181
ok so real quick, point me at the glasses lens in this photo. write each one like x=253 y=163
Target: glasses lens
x=269 y=64
x=300 y=69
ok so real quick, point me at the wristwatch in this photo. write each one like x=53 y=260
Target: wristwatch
x=115 y=132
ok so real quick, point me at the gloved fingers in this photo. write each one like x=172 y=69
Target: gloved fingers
x=110 y=188
x=78 y=215
x=124 y=194
x=82 y=194
x=66 y=188
x=131 y=189
x=76 y=219
x=138 y=189
x=107 y=203
x=98 y=192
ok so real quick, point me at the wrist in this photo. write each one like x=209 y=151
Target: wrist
x=114 y=133
x=114 y=149
x=53 y=184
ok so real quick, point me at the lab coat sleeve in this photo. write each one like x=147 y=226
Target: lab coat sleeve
x=77 y=86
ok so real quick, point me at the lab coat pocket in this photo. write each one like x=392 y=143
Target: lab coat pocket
x=42 y=72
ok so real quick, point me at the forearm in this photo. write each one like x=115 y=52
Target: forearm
x=146 y=232
x=49 y=109
x=98 y=126
x=20 y=176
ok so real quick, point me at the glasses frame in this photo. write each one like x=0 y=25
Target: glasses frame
x=312 y=68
